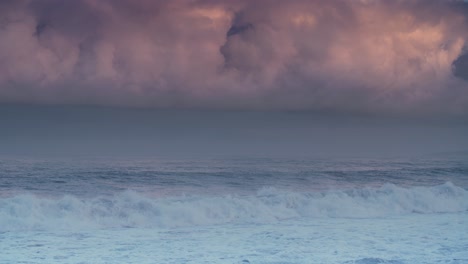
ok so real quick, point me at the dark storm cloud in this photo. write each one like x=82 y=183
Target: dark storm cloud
x=368 y=56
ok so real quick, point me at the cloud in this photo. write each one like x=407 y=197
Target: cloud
x=365 y=56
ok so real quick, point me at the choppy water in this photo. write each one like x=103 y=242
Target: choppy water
x=234 y=210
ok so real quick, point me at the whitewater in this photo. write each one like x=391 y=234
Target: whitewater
x=234 y=210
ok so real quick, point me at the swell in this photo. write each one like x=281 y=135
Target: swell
x=131 y=209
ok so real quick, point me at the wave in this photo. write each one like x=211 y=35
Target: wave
x=131 y=209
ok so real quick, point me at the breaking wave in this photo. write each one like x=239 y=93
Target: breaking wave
x=131 y=209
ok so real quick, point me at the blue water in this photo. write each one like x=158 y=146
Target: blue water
x=234 y=210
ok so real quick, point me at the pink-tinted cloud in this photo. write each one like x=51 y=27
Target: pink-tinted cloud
x=370 y=56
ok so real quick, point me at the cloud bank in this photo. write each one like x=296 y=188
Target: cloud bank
x=365 y=56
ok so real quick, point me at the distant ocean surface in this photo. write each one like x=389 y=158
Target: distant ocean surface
x=234 y=210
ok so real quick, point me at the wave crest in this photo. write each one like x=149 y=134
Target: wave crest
x=130 y=209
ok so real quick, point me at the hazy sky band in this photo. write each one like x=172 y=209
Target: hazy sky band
x=366 y=56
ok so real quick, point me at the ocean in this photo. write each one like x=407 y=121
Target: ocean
x=234 y=210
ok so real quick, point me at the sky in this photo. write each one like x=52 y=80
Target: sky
x=402 y=65
x=403 y=56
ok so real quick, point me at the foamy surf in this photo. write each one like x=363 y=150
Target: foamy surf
x=268 y=205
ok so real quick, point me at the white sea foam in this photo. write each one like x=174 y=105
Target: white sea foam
x=131 y=209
